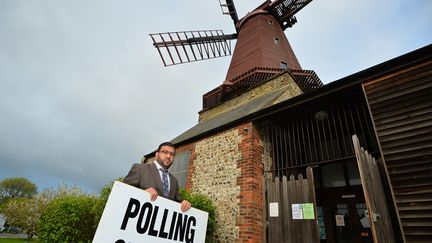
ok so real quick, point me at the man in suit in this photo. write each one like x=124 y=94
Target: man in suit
x=155 y=178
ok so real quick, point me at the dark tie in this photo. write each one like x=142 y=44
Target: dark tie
x=165 y=182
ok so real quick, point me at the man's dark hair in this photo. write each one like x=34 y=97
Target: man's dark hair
x=169 y=144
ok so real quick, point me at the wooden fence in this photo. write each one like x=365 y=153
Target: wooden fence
x=281 y=195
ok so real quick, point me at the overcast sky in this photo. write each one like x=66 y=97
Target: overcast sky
x=83 y=93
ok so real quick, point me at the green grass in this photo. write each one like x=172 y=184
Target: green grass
x=9 y=240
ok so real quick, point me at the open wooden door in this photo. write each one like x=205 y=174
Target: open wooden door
x=380 y=221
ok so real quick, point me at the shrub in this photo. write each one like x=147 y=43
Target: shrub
x=102 y=200
x=68 y=219
x=203 y=203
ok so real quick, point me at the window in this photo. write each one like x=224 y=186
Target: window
x=276 y=40
x=353 y=173
x=283 y=65
x=270 y=22
x=179 y=168
x=339 y=174
x=333 y=175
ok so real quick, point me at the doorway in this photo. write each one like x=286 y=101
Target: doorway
x=343 y=216
x=341 y=207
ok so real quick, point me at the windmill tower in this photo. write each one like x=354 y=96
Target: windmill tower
x=262 y=49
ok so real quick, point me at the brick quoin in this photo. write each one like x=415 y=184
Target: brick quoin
x=250 y=218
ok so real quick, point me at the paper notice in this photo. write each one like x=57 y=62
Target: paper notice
x=297 y=211
x=274 y=209
x=340 y=221
x=308 y=211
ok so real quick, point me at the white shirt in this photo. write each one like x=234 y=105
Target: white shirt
x=160 y=169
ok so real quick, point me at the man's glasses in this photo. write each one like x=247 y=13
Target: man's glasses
x=168 y=152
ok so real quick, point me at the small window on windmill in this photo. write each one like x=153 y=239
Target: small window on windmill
x=276 y=40
x=270 y=22
x=283 y=65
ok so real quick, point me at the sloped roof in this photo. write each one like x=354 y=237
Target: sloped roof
x=229 y=117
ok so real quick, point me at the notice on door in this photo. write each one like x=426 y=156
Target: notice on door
x=340 y=221
x=297 y=211
x=308 y=211
x=274 y=209
x=303 y=211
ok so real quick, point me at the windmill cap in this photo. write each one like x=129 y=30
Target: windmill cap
x=250 y=15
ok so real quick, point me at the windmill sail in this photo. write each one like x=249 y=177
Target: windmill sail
x=229 y=8
x=190 y=46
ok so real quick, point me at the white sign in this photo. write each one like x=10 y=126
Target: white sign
x=131 y=217
x=297 y=211
x=340 y=220
x=274 y=209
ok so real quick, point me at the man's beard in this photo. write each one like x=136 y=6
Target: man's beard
x=162 y=164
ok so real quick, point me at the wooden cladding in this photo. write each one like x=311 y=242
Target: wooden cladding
x=401 y=106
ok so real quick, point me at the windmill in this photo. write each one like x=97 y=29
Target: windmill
x=261 y=51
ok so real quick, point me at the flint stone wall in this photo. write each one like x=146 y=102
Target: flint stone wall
x=215 y=175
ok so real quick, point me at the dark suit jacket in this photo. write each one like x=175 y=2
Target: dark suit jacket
x=145 y=176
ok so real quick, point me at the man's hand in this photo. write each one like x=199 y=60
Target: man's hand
x=185 y=206
x=153 y=193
